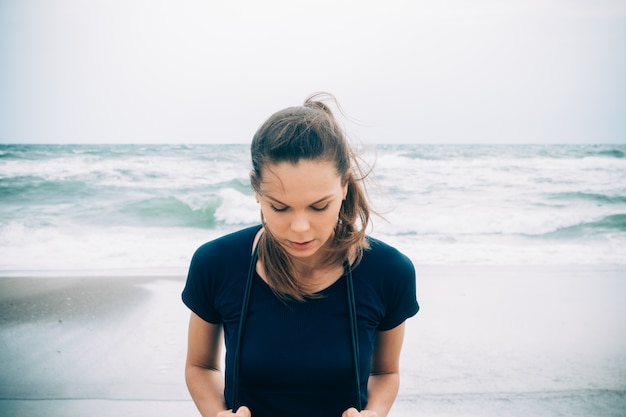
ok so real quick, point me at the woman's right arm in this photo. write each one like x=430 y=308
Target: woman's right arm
x=202 y=369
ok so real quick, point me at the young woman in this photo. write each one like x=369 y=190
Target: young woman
x=310 y=308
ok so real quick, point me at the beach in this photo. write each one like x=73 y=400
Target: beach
x=516 y=341
x=488 y=341
x=93 y=346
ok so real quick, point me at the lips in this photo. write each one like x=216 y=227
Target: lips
x=301 y=245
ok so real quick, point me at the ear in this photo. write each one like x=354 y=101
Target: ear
x=252 y=183
x=346 y=182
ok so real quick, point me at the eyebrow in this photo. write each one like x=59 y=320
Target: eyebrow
x=287 y=205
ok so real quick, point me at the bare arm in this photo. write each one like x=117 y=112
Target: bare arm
x=384 y=380
x=202 y=369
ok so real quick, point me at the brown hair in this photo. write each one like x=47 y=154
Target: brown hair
x=310 y=132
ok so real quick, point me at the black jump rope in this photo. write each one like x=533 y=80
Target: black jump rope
x=242 y=321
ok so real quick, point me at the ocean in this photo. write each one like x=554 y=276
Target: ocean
x=137 y=209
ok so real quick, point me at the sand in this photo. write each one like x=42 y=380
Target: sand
x=517 y=341
x=488 y=341
x=113 y=346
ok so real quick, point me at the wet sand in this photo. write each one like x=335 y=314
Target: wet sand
x=93 y=346
x=488 y=341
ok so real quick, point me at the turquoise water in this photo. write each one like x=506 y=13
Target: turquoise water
x=146 y=207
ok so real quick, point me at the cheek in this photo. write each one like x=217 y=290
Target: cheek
x=269 y=215
x=274 y=219
x=331 y=216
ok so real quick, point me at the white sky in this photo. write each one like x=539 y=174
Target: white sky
x=430 y=71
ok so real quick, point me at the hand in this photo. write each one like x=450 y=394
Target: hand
x=242 y=411
x=353 y=412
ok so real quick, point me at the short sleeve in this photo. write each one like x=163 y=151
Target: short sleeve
x=400 y=293
x=392 y=275
x=217 y=274
x=198 y=294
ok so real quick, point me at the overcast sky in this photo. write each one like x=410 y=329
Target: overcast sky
x=430 y=71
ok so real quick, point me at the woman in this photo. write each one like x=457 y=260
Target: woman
x=311 y=309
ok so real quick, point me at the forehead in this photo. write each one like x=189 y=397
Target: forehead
x=305 y=178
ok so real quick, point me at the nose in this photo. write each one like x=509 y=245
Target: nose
x=300 y=223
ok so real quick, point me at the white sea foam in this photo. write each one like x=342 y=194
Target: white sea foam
x=236 y=208
x=129 y=207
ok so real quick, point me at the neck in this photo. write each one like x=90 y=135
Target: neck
x=316 y=279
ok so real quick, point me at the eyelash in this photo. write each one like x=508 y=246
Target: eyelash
x=280 y=210
x=320 y=208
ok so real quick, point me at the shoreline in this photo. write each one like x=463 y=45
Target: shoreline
x=549 y=338
x=24 y=299
x=434 y=269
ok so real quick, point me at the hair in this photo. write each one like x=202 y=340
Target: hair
x=310 y=132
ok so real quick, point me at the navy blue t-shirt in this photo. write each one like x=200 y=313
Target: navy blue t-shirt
x=296 y=357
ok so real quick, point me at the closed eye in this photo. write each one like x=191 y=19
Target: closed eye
x=317 y=208
x=278 y=209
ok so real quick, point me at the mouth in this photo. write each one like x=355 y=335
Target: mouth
x=301 y=245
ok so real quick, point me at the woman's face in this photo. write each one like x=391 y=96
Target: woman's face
x=300 y=204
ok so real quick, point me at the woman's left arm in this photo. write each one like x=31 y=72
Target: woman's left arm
x=384 y=379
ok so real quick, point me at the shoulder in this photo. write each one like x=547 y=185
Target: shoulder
x=385 y=270
x=232 y=247
x=387 y=279
x=382 y=257
x=218 y=268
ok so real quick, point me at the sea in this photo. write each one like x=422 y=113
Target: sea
x=144 y=209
